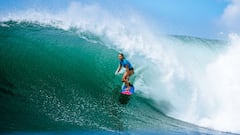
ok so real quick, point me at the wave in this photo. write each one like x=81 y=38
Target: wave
x=190 y=79
x=54 y=80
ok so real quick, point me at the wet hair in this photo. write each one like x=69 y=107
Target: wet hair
x=122 y=55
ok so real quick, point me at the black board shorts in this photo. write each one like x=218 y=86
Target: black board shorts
x=131 y=68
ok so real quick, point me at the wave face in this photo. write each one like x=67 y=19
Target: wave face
x=52 y=79
x=57 y=73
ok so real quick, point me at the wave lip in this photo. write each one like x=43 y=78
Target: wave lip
x=175 y=68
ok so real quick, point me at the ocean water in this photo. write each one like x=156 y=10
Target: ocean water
x=57 y=76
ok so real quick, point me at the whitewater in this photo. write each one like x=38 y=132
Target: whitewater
x=191 y=79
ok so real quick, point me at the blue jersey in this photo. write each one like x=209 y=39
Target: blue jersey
x=125 y=62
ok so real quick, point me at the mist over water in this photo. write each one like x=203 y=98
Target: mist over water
x=191 y=79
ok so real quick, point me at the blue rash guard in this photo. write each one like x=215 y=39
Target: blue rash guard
x=125 y=62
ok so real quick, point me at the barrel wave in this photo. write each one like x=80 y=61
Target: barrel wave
x=53 y=79
x=57 y=74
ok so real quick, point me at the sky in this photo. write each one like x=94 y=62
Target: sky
x=201 y=18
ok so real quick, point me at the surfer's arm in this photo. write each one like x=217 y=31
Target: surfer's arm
x=119 y=68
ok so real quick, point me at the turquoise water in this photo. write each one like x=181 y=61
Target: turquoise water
x=59 y=81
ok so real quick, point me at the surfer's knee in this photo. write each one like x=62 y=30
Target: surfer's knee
x=123 y=79
x=125 y=76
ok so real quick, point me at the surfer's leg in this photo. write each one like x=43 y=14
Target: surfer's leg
x=125 y=79
x=127 y=83
x=131 y=72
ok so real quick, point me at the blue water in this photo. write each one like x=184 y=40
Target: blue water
x=57 y=77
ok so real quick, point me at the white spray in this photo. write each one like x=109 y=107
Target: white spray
x=200 y=85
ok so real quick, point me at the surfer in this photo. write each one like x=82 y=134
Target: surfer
x=129 y=69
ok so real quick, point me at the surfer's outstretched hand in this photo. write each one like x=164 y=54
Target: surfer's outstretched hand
x=117 y=72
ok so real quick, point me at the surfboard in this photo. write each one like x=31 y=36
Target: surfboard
x=125 y=94
x=126 y=91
